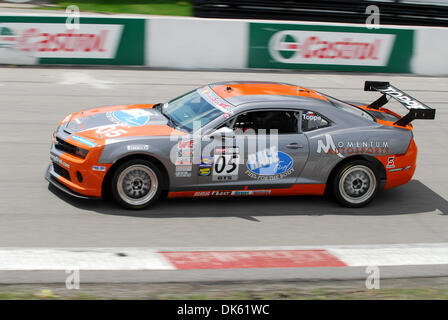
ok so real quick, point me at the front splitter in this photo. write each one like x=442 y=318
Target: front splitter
x=49 y=176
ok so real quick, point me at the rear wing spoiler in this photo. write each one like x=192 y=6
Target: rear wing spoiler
x=417 y=110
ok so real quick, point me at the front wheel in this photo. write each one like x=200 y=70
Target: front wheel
x=356 y=184
x=136 y=184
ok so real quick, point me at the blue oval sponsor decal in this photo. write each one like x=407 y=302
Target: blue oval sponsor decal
x=269 y=162
x=132 y=117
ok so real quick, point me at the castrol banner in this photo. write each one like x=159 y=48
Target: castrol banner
x=342 y=48
x=50 y=40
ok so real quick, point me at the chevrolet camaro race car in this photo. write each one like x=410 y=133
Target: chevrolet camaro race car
x=238 y=139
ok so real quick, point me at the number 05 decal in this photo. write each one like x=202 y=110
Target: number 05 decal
x=111 y=131
x=225 y=167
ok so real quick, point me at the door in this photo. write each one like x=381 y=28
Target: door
x=265 y=150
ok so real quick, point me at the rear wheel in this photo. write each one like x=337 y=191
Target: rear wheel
x=356 y=184
x=136 y=184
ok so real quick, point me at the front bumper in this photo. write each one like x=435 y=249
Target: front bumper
x=50 y=176
x=80 y=176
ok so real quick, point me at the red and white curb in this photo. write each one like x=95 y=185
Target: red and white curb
x=221 y=258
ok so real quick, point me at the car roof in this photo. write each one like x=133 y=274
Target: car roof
x=245 y=95
x=242 y=92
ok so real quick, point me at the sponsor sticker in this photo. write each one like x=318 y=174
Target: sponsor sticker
x=250 y=192
x=59 y=161
x=349 y=147
x=225 y=167
x=185 y=144
x=220 y=193
x=183 y=174
x=99 y=168
x=205 y=167
x=185 y=152
x=130 y=117
x=137 y=147
x=84 y=141
x=227 y=150
x=230 y=193
x=202 y=194
x=403 y=98
x=269 y=164
x=205 y=171
x=309 y=115
x=241 y=193
x=391 y=162
x=184 y=168
x=110 y=131
x=206 y=162
x=211 y=97
x=184 y=161
x=261 y=192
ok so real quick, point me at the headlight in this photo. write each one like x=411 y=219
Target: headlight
x=80 y=152
x=70 y=148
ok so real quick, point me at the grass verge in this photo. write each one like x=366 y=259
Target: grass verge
x=290 y=294
x=156 y=7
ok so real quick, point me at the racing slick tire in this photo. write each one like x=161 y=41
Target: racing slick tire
x=137 y=184
x=356 y=183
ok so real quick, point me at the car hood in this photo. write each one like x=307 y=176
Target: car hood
x=118 y=121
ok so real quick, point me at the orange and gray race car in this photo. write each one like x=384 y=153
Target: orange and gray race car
x=238 y=139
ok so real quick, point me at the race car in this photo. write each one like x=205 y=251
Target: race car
x=237 y=139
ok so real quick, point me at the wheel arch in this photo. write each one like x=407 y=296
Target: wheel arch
x=105 y=190
x=377 y=164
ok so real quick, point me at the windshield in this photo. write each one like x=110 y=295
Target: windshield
x=195 y=109
x=348 y=107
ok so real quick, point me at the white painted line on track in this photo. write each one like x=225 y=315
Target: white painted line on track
x=83 y=259
x=391 y=256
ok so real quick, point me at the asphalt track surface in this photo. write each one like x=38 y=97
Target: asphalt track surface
x=32 y=214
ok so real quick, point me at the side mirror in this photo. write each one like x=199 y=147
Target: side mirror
x=223 y=132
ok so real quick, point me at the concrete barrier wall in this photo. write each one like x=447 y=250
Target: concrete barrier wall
x=196 y=43
x=192 y=43
x=430 y=51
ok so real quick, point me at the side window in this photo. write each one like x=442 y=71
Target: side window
x=285 y=122
x=312 y=120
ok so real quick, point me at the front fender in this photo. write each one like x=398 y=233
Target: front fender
x=115 y=150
